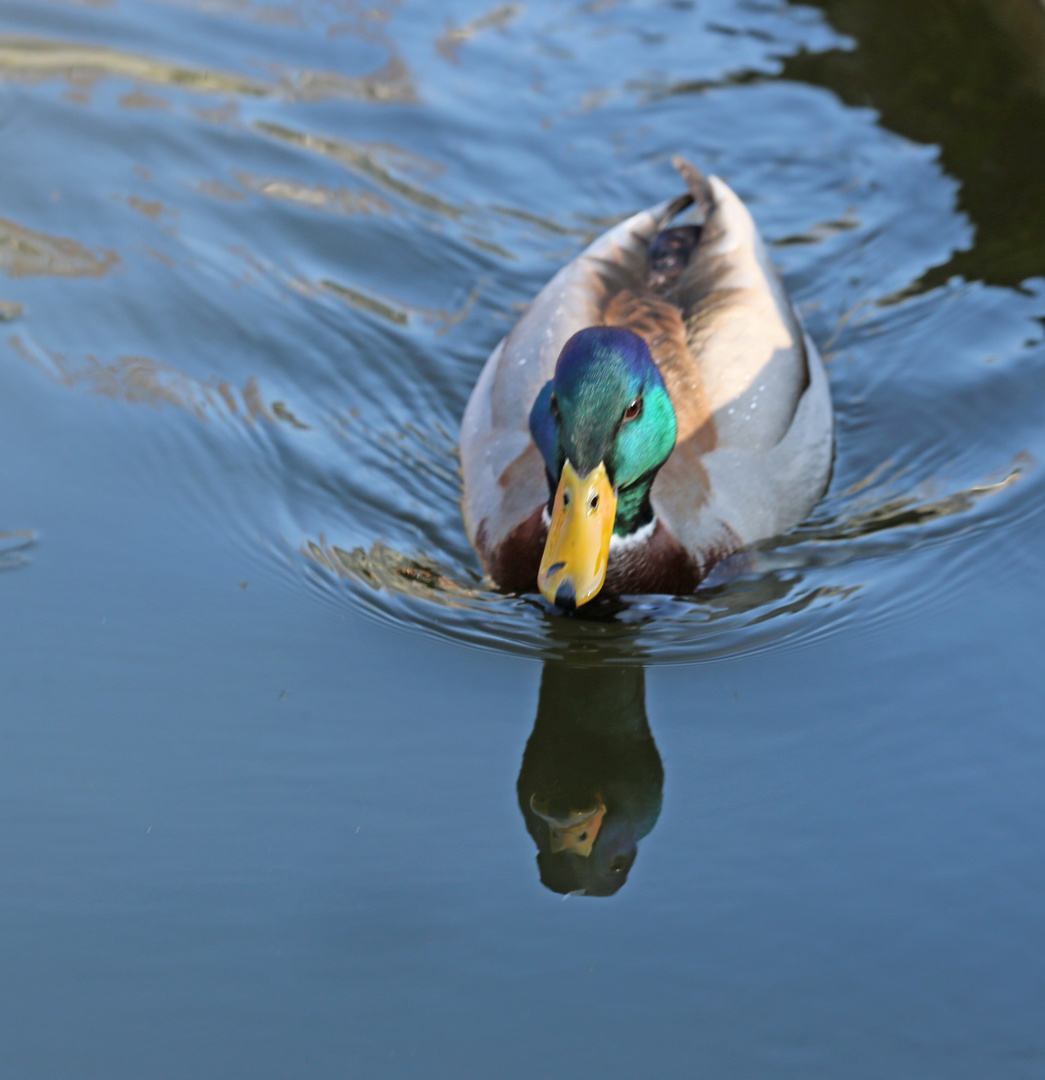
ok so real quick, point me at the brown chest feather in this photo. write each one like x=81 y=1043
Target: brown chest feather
x=660 y=565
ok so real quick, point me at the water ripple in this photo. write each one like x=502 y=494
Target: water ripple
x=307 y=291
x=14 y=548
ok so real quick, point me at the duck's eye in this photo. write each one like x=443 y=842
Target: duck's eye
x=553 y=407
x=634 y=410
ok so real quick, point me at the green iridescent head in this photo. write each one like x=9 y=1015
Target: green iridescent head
x=607 y=404
x=604 y=425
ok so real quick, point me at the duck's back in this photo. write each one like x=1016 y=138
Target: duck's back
x=753 y=452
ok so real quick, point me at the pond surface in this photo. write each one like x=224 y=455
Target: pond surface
x=273 y=757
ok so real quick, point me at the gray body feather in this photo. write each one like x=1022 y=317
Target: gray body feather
x=755 y=424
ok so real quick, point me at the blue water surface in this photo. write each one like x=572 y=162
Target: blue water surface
x=268 y=741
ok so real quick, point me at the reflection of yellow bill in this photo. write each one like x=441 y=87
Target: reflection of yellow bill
x=574 y=564
x=576 y=831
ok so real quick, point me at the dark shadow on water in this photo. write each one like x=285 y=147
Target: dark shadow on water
x=591 y=778
x=969 y=77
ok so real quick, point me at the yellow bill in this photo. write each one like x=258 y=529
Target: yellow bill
x=578 y=546
x=576 y=831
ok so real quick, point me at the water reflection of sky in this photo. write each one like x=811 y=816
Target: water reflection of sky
x=252 y=257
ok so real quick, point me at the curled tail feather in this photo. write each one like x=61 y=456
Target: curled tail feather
x=699 y=189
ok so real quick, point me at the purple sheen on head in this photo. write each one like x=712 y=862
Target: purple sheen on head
x=578 y=416
x=604 y=344
x=544 y=429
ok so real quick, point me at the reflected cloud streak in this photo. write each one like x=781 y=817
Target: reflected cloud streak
x=449 y=43
x=27 y=253
x=35 y=60
x=139 y=380
x=373 y=162
x=315 y=196
x=31 y=60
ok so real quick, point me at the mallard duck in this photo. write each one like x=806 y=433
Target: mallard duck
x=657 y=408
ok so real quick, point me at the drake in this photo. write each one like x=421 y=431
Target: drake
x=657 y=408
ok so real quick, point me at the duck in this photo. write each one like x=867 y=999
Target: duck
x=657 y=408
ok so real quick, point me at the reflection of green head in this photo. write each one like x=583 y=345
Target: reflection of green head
x=608 y=404
x=591 y=779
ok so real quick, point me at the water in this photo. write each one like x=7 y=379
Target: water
x=268 y=744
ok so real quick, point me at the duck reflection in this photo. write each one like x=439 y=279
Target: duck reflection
x=591 y=779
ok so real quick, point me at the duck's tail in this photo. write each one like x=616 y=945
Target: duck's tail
x=670 y=250
x=699 y=188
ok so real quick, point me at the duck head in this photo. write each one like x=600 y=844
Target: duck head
x=604 y=425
